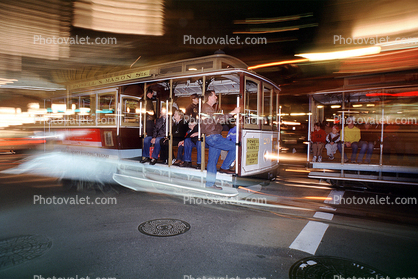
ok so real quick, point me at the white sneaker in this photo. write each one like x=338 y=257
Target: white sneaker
x=314 y=159
x=319 y=158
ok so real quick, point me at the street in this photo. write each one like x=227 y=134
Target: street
x=308 y=230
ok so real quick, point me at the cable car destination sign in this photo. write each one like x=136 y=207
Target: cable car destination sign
x=110 y=79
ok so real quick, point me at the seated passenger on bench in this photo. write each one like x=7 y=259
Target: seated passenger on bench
x=351 y=139
x=157 y=135
x=179 y=129
x=190 y=142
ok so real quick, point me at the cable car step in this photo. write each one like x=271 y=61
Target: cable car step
x=148 y=183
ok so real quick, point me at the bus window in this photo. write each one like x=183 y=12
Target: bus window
x=106 y=109
x=130 y=111
x=267 y=107
x=251 y=104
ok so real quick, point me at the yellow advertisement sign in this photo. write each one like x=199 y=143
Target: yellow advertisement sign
x=252 y=151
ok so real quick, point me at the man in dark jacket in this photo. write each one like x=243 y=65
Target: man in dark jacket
x=158 y=134
x=192 y=110
x=150 y=113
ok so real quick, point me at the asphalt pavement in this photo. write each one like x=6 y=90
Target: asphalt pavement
x=48 y=231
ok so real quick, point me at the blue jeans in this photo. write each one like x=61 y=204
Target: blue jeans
x=188 y=147
x=354 y=148
x=147 y=145
x=217 y=143
x=365 y=147
x=180 y=153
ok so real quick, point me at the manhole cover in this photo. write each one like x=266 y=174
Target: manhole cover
x=164 y=227
x=332 y=267
x=17 y=250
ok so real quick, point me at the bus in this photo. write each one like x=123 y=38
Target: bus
x=106 y=117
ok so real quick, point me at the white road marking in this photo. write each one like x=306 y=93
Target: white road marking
x=323 y=215
x=328 y=208
x=310 y=237
x=333 y=195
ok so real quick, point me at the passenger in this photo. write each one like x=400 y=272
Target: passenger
x=150 y=113
x=192 y=111
x=327 y=127
x=211 y=126
x=179 y=129
x=318 y=138
x=157 y=135
x=332 y=139
x=190 y=142
x=181 y=144
x=352 y=137
x=369 y=138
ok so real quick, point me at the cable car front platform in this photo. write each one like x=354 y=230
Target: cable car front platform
x=393 y=174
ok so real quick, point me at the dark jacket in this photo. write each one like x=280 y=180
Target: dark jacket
x=150 y=117
x=159 y=128
x=190 y=132
x=179 y=131
x=192 y=110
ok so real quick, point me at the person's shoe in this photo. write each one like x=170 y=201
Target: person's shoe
x=331 y=158
x=319 y=159
x=345 y=160
x=214 y=187
x=153 y=161
x=186 y=164
x=353 y=162
x=314 y=159
x=145 y=159
x=228 y=171
x=198 y=166
x=177 y=163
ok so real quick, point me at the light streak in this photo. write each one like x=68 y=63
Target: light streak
x=322 y=56
x=278 y=63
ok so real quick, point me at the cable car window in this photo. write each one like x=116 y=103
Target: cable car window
x=251 y=104
x=86 y=113
x=275 y=111
x=267 y=107
x=130 y=111
x=106 y=109
x=199 y=66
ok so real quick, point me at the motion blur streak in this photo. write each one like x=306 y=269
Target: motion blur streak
x=386 y=18
x=322 y=56
x=22 y=20
x=143 y=17
x=278 y=63
x=319 y=198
